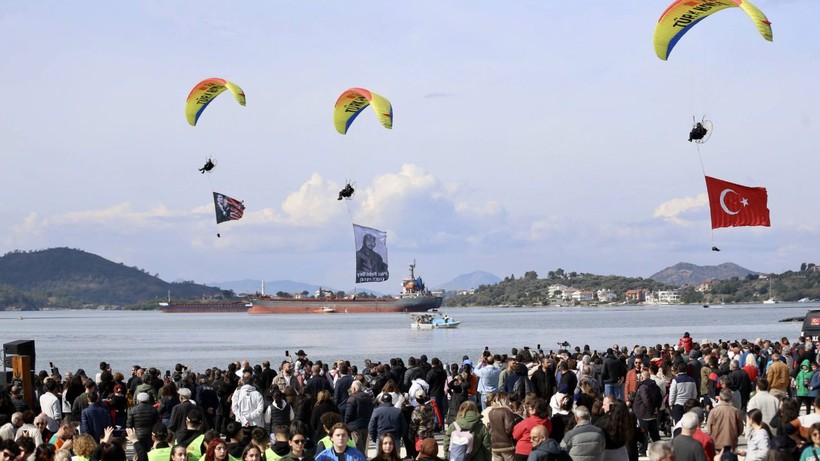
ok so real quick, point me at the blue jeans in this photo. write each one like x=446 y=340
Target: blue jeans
x=615 y=390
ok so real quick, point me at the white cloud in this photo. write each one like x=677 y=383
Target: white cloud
x=671 y=210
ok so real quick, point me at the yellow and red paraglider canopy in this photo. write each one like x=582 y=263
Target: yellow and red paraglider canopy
x=204 y=92
x=351 y=103
x=682 y=15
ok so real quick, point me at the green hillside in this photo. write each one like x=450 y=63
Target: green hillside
x=69 y=278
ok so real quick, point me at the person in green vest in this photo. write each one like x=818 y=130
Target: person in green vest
x=329 y=420
x=179 y=453
x=280 y=446
x=261 y=439
x=161 y=451
x=192 y=436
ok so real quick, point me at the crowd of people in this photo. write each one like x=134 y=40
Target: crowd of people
x=688 y=401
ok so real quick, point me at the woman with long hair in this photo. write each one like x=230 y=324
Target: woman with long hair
x=251 y=453
x=45 y=452
x=501 y=421
x=169 y=398
x=387 y=449
x=757 y=445
x=217 y=450
x=618 y=429
x=469 y=419
x=789 y=411
x=324 y=404
x=179 y=453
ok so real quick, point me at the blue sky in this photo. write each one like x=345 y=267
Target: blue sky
x=527 y=136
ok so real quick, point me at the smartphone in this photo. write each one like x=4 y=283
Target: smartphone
x=486 y=348
x=167 y=372
x=539 y=346
x=287 y=353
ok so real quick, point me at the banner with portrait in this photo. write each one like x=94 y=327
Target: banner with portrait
x=371 y=254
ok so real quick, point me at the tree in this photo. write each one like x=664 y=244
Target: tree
x=530 y=275
x=282 y=294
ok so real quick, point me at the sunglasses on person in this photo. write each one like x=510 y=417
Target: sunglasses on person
x=298 y=441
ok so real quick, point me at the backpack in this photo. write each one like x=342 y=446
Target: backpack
x=461 y=444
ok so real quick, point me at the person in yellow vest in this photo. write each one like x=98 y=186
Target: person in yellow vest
x=329 y=420
x=179 y=453
x=192 y=436
x=280 y=446
x=161 y=451
x=158 y=451
x=261 y=439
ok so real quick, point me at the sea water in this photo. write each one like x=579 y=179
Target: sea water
x=82 y=339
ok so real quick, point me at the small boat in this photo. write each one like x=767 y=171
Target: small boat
x=326 y=310
x=705 y=306
x=432 y=322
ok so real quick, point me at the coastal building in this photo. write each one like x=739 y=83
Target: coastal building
x=636 y=296
x=605 y=295
x=582 y=296
x=667 y=297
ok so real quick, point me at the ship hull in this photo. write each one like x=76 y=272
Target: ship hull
x=350 y=306
x=188 y=308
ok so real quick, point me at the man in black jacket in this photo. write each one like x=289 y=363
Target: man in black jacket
x=543 y=379
x=437 y=378
x=142 y=418
x=613 y=375
x=358 y=413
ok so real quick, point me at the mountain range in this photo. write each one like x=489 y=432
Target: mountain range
x=689 y=274
x=65 y=277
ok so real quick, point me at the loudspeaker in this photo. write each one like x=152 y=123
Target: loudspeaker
x=5 y=378
x=20 y=347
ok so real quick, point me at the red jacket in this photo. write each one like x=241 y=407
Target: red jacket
x=521 y=433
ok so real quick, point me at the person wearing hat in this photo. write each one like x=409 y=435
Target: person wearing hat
x=181 y=410
x=387 y=419
x=422 y=420
x=142 y=417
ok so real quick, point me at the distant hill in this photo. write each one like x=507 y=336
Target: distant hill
x=469 y=281
x=271 y=287
x=690 y=274
x=65 y=277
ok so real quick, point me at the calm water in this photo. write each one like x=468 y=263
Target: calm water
x=81 y=339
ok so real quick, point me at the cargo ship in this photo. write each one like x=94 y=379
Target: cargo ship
x=414 y=297
x=182 y=307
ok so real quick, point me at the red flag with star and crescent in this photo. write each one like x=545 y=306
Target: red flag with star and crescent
x=736 y=205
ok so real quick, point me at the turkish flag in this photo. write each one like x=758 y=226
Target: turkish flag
x=736 y=205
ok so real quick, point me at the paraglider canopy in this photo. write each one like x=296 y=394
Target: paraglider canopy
x=204 y=92
x=682 y=15
x=351 y=103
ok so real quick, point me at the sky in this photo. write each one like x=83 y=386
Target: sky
x=527 y=136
